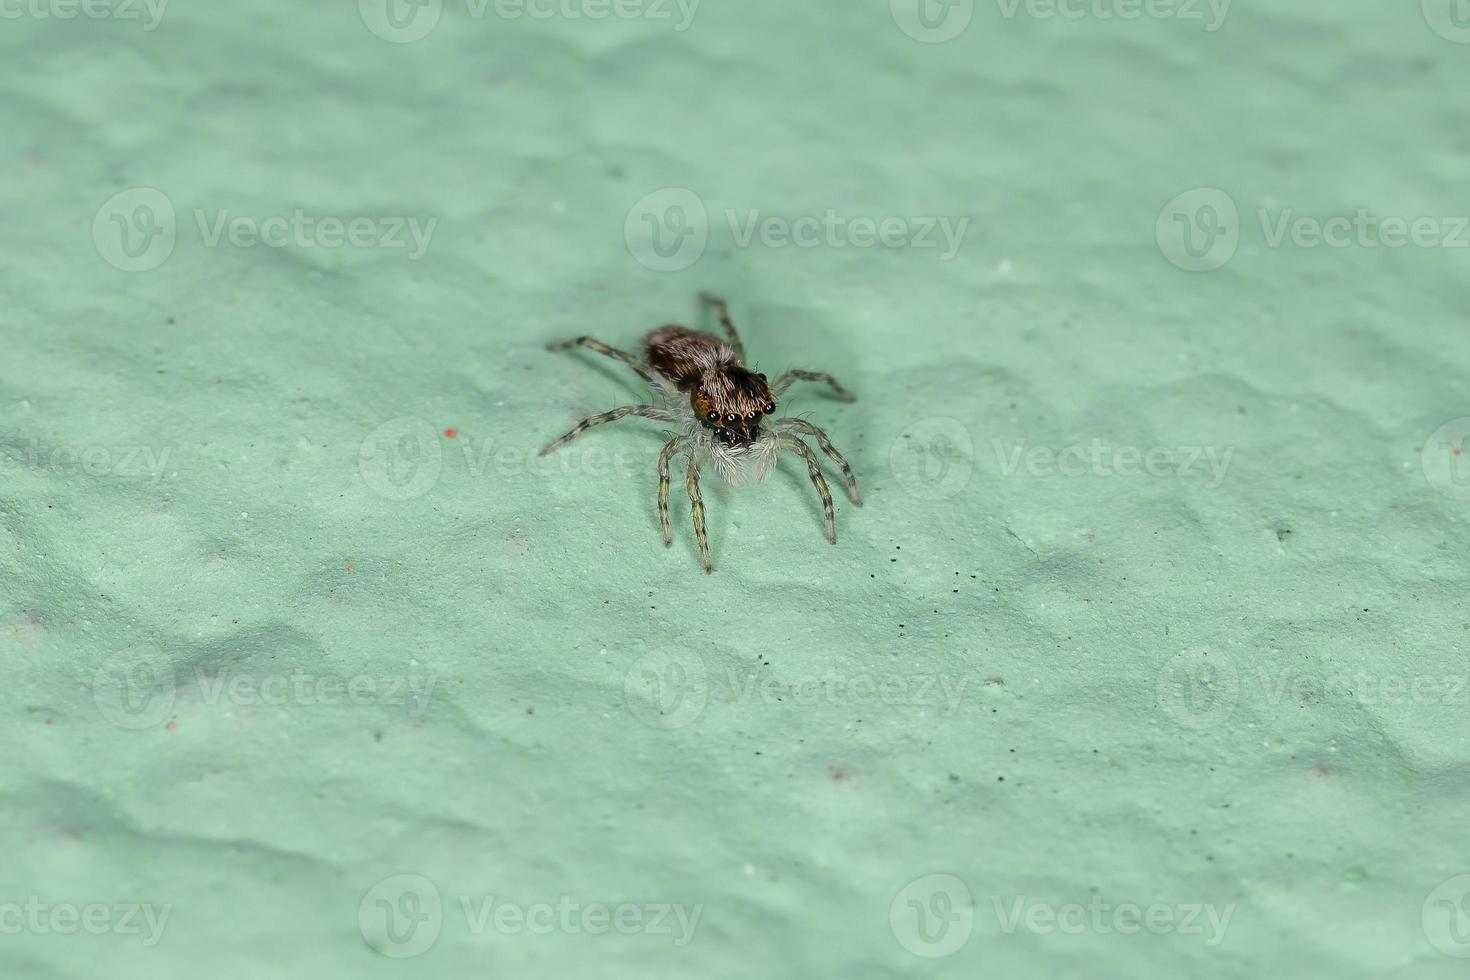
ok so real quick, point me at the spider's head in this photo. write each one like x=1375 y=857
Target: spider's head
x=731 y=402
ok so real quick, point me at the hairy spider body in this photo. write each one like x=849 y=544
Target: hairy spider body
x=719 y=405
x=722 y=392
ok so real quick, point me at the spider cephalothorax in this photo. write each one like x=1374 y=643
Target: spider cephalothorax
x=732 y=403
x=721 y=406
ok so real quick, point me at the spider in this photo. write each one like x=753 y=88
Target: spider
x=705 y=389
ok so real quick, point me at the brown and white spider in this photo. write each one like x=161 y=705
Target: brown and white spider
x=705 y=389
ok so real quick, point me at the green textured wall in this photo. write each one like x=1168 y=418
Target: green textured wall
x=1145 y=657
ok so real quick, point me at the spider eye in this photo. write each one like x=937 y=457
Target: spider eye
x=732 y=418
x=712 y=416
x=753 y=416
x=770 y=407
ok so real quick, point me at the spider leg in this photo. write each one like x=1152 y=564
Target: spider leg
x=814 y=470
x=644 y=411
x=671 y=448
x=791 y=377
x=601 y=348
x=696 y=505
x=723 y=312
x=803 y=425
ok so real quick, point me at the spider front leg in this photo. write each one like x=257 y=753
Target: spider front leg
x=803 y=425
x=791 y=377
x=722 y=310
x=814 y=470
x=644 y=411
x=671 y=449
x=601 y=348
x=696 y=507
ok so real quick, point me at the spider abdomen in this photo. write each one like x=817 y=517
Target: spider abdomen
x=686 y=356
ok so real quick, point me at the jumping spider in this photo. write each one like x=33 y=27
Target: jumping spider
x=705 y=388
